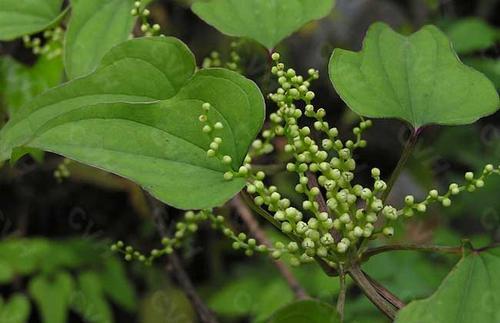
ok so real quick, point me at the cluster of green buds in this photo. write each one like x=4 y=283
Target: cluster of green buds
x=337 y=216
x=143 y=14
x=215 y=60
x=62 y=172
x=190 y=225
x=50 y=46
x=471 y=184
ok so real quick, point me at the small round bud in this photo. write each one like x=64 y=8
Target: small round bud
x=275 y=57
x=469 y=176
x=433 y=194
x=218 y=125
x=227 y=159
x=342 y=247
x=446 y=202
x=421 y=207
x=228 y=176
x=388 y=231
x=375 y=172
x=409 y=200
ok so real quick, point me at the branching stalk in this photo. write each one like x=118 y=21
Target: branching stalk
x=259 y=234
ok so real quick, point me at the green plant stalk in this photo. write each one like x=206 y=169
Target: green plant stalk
x=407 y=151
x=342 y=294
x=414 y=247
x=369 y=290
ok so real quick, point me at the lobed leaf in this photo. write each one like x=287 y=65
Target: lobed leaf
x=468 y=294
x=109 y=19
x=137 y=116
x=52 y=296
x=22 y=17
x=257 y=19
x=418 y=78
x=471 y=34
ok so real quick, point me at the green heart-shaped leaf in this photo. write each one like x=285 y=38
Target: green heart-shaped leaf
x=137 y=116
x=52 y=296
x=110 y=19
x=308 y=311
x=417 y=78
x=471 y=34
x=16 y=309
x=267 y=22
x=90 y=301
x=468 y=294
x=22 y=17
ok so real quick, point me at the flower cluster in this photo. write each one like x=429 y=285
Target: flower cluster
x=215 y=60
x=143 y=14
x=337 y=216
x=50 y=45
x=190 y=225
x=62 y=172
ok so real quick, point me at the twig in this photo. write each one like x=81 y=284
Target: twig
x=342 y=294
x=369 y=290
x=254 y=228
x=330 y=271
x=385 y=293
x=174 y=266
x=407 y=151
x=415 y=247
x=323 y=207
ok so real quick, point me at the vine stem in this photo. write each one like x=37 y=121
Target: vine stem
x=266 y=215
x=407 y=151
x=342 y=294
x=371 y=292
x=385 y=293
x=254 y=228
x=174 y=266
x=414 y=247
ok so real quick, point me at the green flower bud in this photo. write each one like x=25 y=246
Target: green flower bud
x=309 y=96
x=446 y=202
x=206 y=129
x=342 y=247
x=227 y=159
x=307 y=243
x=371 y=217
x=409 y=200
x=377 y=205
x=479 y=183
x=375 y=172
x=388 y=231
x=292 y=246
x=228 y=176
x=469 y=176
x=433 y=194
x=286 y=227
x=390 y=212
x=421 y=207
x=380 y=185
x=275 y=57
x=345 y=218
x=301 y=227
